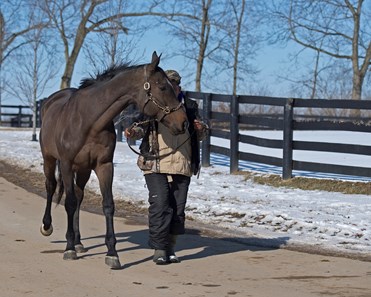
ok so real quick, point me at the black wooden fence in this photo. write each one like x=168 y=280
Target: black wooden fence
x=16 y=116
x=262 y=113
x=287 y=116
x=19 y=115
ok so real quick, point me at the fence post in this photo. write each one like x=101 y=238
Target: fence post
x=39 y=105
x=234 y=108
x=119 y=132
x=287 y=139
x=206 y=115
x=20 y=116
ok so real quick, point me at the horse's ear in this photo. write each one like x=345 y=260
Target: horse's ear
x=155 y=60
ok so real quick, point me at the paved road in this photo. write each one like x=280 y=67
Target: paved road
x=32 y=265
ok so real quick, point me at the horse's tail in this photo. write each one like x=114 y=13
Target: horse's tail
x=60 y=183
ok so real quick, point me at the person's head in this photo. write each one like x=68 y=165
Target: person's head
x=175 y=80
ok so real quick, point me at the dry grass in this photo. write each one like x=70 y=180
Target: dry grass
x=305 y=183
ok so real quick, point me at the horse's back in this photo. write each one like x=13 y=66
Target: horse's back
x=56 y=101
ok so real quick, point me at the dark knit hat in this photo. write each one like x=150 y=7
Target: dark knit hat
x=173 y=76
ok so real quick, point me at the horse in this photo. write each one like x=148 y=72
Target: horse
x=77 y=136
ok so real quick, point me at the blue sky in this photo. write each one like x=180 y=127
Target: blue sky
x=270 y=60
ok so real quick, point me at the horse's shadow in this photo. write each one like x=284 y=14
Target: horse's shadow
x=192 y=245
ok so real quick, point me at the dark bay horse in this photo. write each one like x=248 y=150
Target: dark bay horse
x=77 y=136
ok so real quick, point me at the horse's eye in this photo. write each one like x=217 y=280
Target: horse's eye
x=161 y=86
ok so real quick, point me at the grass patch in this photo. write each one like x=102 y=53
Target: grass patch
x=312 y=184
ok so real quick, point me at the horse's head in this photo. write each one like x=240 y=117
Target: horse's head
x=161 y=101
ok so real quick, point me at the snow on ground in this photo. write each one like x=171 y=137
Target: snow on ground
x=320 y=219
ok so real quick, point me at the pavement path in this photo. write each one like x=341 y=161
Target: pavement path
x=32 y=265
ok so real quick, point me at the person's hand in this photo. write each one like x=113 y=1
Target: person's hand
x=199 y=126
x=129 y=133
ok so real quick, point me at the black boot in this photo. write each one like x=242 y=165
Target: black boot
x=160 y=257
x=170 y=250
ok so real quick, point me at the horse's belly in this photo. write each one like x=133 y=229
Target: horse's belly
x=92 y=155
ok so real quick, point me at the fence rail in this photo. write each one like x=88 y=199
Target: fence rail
x=264 y=113
x=19 y=115
x=16 y=116
x=287 y=118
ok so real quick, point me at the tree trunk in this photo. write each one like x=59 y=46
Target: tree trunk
x=357 y=86
x=205 y=32
x=239 y=20
x=67 y=74
x=71 y=59
x=357 y=92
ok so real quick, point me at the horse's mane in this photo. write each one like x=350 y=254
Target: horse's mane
x=105 y=75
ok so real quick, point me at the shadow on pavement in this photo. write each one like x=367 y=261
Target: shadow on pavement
x=191 y=245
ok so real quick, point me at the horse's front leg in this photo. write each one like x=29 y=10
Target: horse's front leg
x=82 y=178
x=104 y=173
x=70 y=206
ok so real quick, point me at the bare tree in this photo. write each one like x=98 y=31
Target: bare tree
x=36 y=68
x=203 y=41
x=75 y=19
x=239 y=29
x=191 y=24
x=336 y=28
x=113 y=45
x=311 y=74
x=239 y=13
x=14 y=24
x=216 y=40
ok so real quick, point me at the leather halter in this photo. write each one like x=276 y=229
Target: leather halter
x=150 y=98
x=154 y=156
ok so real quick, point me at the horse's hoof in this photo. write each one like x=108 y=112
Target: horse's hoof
x=69 y=255
x=46 y=232
x=79 y=248
x=113 y=262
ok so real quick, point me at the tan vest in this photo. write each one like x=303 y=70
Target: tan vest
x=179 y=147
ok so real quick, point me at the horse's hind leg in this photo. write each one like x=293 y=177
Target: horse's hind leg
x=82 y=178
x=105 y=176
x=70 y=206
x=46 y=228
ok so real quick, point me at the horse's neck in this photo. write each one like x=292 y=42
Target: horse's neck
x=110 y=114
x=109 y=99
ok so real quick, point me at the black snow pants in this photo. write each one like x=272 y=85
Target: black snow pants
x=166 y=212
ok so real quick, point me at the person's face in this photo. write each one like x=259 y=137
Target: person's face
x=176 y=87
